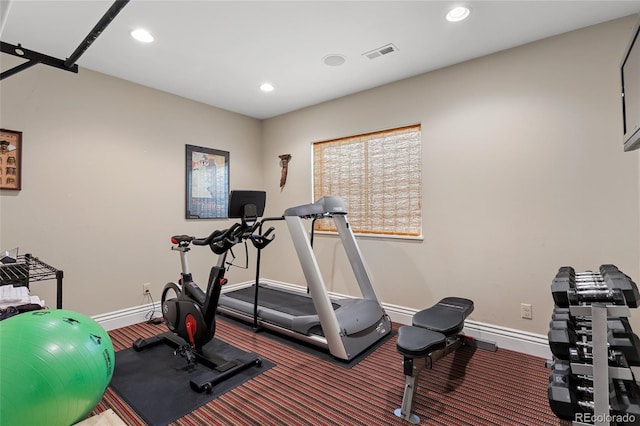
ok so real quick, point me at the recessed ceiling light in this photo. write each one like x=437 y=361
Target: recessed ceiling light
x=266 y=87
x=334 y=60
x=458 y=14
x=142 y=35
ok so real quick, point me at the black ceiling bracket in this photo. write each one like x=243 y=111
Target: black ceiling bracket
x=69 y=64
x=106 y=19
x=32 y=58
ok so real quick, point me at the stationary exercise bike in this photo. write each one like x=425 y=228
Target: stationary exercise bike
x=190 y=314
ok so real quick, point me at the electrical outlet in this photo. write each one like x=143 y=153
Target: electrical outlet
x=526 y=311
x=145 y=289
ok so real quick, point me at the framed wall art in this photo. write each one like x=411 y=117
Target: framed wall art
x=10 y=159
x=207 y=183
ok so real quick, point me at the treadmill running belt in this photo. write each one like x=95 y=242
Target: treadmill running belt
x=282 y=301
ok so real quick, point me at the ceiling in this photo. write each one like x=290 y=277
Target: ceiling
x=220 y=52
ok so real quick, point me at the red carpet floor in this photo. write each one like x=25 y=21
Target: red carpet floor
x=467 y=387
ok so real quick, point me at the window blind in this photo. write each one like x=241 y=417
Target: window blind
x=379 y=175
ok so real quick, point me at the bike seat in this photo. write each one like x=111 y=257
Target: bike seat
x=177 y=239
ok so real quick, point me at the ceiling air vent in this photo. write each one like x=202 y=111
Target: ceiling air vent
x=380 y=51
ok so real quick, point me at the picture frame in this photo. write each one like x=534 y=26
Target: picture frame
x=10 y=159
x=207 y=183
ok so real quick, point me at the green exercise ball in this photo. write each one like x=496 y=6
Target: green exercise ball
x=55 y=365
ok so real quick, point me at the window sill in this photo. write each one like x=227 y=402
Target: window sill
x=375 y=236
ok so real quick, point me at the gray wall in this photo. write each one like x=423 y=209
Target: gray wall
x=104 y=181
x=523 y=172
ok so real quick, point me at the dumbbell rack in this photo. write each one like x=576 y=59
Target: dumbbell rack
x=598 y=299
x=599 y=369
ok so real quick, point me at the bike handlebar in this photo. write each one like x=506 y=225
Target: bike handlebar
x=205 y=241
x=261 y=241
x=215 y=237
x=226 y=239
x=219 y=241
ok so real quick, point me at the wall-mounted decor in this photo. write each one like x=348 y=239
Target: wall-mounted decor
x=10 y=159
x=284 y=164
x=207 y=183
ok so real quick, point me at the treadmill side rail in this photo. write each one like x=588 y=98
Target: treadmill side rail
x=317 y=288
x=355 y=257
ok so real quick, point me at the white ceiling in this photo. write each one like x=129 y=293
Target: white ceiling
x=219 y=52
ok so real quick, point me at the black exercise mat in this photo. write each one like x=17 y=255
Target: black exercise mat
x=305 y=347
x=155 y=383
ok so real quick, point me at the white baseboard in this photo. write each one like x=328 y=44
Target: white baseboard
x=506 y=338
x=129 y=316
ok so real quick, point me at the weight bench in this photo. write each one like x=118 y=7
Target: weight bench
x=433 y=334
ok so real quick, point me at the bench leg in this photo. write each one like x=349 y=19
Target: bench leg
x=412 y=369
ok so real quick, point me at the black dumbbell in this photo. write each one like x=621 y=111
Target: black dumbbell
x=567 y=344
x=565 y=293
x=625 y=350
x=561 y=340
x=625 y=402
x=619 y=327
x=560 y=312
x=562 y=393
x=559 y=290
x=622 y=352
x=569 y=395
x=609 y=277
x=586 y=279
x=617 y=280
x=564 y=284
x=608 y=267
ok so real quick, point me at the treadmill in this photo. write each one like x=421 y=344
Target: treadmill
x=345 y=326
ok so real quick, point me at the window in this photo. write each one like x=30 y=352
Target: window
x=378 y=175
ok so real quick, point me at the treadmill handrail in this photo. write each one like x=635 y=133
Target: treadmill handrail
x=327 y=205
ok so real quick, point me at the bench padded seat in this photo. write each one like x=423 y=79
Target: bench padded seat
x=447 y=316
x=416 y=341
